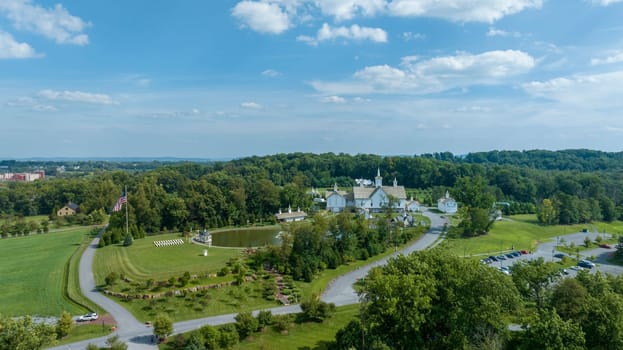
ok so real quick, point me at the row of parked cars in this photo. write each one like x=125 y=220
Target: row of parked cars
x=511 y=255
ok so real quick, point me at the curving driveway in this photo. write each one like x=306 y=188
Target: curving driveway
x=138 y=336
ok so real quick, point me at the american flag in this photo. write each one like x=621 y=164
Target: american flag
x=120 y=202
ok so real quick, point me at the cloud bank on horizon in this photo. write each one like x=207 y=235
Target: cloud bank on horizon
x=243 y=77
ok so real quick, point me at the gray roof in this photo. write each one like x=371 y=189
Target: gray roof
x=73 y=206
x=294 y=214
x=365 y=192
x=330 y=193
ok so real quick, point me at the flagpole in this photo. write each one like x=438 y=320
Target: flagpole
x=127 y=231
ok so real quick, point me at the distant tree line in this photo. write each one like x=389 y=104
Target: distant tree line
x=251 y=190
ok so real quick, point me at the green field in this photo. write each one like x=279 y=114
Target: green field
x=520 y=232
x=33 y=270
x=143 y=260
x=303 y=336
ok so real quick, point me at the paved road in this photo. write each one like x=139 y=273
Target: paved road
x=340 y=291
x=138 y=336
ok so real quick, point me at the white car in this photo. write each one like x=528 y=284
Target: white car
x=88 y=317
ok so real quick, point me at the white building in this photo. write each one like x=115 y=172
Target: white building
x=291 y=216
x=371 y=198
x=447 y=204
x=412 y=205
x=336 y=199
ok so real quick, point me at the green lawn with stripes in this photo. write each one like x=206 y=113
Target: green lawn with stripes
x=32 y=272
x=143 y=260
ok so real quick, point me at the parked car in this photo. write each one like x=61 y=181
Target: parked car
x=501 y=257
x=510 y=256
x=605 y=245
x=586 y=264
x=516 y=253
x=560 y=255
x=88 y=317
x=493 y=258
x=524 y=252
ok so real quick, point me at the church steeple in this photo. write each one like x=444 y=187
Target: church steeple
x=395 y=182
x=378 y=180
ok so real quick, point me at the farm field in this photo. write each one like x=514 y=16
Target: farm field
x=32 y=269
x=520 y=232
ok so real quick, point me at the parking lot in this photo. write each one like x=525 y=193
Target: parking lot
x=548 y=251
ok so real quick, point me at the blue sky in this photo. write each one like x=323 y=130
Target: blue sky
x=230 y=78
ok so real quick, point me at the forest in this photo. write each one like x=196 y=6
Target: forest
x=563 y=187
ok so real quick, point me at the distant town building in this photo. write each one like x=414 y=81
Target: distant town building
x=447 y=204
x=26 y=177
x=69 y=209
x=291 y=216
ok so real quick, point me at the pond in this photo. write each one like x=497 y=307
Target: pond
x=246 y=237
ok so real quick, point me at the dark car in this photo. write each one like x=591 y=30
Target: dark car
x=586 y=264
x=510 y=256
x=493 y=258
x=604 y=245
x=516 y=253
x=501 y=257
x=559 y=255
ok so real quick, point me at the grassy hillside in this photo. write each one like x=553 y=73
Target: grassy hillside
x=32 y=270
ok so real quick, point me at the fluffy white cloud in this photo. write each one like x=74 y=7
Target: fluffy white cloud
x=277 y=16
x=498 y=32
x=77 y=96
x=44 y=108
x=271 y=73
x=614 y=58
x=487 y=11
x=55 y=23
x=9 y=48
x=354 y=32
x=333 y=99
x=262 y=17
x=605 y=2
x=601 y=90
x=408 y=36
x=251 y=105
x=348 y=9
x=433 y=75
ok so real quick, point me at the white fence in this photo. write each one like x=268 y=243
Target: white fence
x=169 y=242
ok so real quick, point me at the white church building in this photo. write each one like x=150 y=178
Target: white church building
x=447 y=204
x=370 y=198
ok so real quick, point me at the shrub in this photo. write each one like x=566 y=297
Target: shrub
x=111 y=278
x=246 y=324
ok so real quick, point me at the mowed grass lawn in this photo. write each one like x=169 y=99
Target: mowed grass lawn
x=301 y=336
x=521 y=232
x=143 y=260
x=31 y=272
